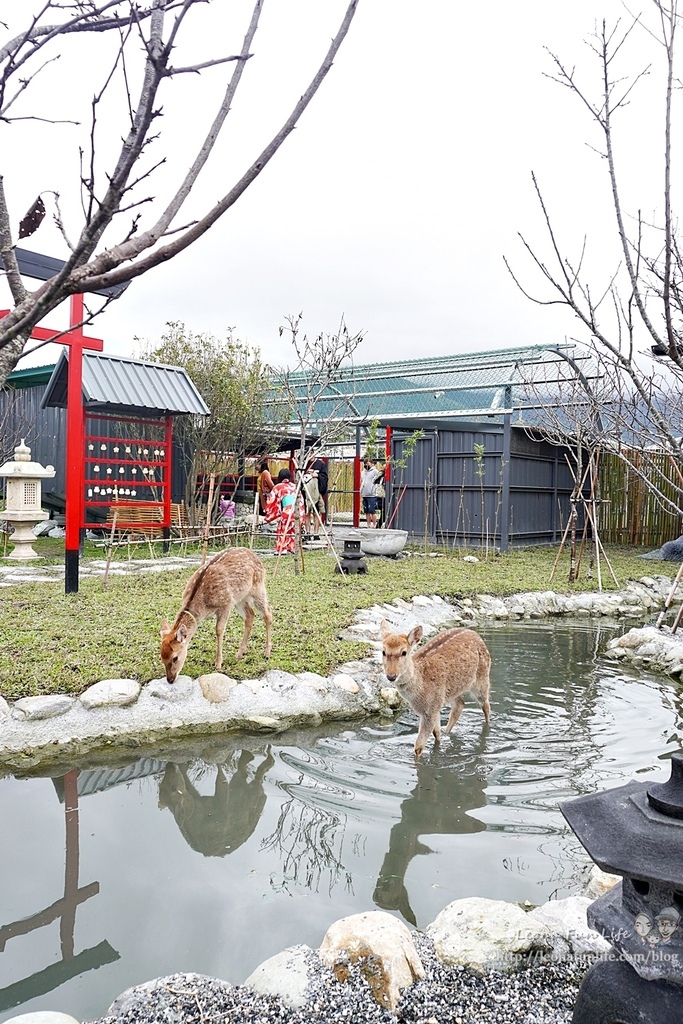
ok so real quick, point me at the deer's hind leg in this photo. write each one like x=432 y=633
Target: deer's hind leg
x=260 y=601
x=247 y=612
x=456 y=711
x=222 y=616
x=482 y=689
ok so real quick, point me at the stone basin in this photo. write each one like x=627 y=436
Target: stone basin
x=372 y=542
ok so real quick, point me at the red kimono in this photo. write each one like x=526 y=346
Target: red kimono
x=280 y=509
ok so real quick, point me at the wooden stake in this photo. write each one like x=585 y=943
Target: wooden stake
x=669 y=599
x=330 y=545
x=209 y=506
x=254 y=525
x=111 y=547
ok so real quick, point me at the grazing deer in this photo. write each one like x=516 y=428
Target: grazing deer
x=451 y=664
x=234 y=579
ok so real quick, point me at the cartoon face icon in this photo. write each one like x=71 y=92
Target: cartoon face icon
x=643 y=924
x=667 y=922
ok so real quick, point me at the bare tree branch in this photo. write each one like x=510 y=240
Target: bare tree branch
x=148 y=32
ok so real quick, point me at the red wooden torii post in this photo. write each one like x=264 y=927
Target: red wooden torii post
x=75 y=429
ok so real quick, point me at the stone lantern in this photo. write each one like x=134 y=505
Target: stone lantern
x=635 y=831
x=351 y=561
x=23 y=506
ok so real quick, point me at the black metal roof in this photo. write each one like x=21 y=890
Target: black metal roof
x=121 y=385
x=34 y=264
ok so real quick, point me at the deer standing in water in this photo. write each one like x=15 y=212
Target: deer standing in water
x=450 y=664
x=233 y=579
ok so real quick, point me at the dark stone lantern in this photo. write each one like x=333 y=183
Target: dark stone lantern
x=351 y=561
x=635 y=831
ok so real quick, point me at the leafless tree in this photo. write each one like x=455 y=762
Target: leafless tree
x=319 y=390
x=633 y=321
x=568 y=402
x=317 y=395
x=123 y=230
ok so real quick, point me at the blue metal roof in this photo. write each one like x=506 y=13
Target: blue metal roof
x=117 y=383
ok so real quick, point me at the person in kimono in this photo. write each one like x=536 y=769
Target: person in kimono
x=281 y=510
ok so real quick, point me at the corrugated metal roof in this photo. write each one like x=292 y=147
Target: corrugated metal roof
x=473 y=384
x=130 y=385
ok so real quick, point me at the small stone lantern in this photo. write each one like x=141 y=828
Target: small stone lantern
x=352 y=561
x=23 y=506
x=635 y=831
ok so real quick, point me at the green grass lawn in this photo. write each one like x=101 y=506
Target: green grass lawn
x=53 y=643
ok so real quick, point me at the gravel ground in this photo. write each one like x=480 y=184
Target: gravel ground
x=537 y=994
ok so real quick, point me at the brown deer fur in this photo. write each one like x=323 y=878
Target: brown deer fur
x=451 y=664
x=234 y=579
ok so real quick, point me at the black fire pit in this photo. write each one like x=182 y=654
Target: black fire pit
x=635 y=831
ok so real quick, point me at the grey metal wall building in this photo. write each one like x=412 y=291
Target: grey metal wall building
x=478 y=484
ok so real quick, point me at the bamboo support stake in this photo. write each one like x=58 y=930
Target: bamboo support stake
x=254 y=525
x=667 y=603
x=572 y=515
x=209 y=506
x=330 y=545
x=395 y=510
x=111 y=547
x=600 y=546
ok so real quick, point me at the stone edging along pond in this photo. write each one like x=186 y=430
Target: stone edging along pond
x=115 y=714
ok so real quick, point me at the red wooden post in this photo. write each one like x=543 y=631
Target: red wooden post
x=75 y=429
x=388 y=434
x=356 y=490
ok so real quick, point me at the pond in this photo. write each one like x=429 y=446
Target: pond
x=215 y=858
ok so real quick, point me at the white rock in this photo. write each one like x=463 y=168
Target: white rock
x=216 y=687
x=383 y=948
x=180 y=690
x=280 y=681
x=485 y=934
x=363 y=628
x=423 y=602
x=255 y=685
x=344 y=682
x=391 y=695
x=285 y=975
x=42 y=1017
x=318 y=683
x=568 y=928
x=599 y=882
x=111 y=692
x=262 y=723
x=4 y=708
x=34 y=708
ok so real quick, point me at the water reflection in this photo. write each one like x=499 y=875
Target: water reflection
x=218 y=824
x=63 y=910
x=447 y=790
x=318 y=824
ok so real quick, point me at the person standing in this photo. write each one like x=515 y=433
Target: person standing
x=264 y=485
x=315 y=488
x=281 y=510
x=380 y=495
x=368 y=481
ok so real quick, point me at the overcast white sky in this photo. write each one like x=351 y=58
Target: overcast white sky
x=395 y=199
